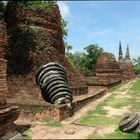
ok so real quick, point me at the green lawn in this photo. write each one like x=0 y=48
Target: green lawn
x=52 y=123
x=98 y=116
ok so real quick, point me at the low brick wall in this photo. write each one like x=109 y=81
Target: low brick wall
x=79 y=90
x=43 y=110
x=105 y=82
x=8 y=114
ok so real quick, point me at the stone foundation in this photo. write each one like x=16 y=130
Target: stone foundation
x=103 y=82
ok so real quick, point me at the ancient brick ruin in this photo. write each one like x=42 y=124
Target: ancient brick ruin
x=108 y=72
x=8 y=114
x=36 y=39
x=125 y=63
x=107 y=66
x=111 y=72
x=43 y=44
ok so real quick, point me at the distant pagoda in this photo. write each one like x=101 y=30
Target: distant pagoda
x=125 y=63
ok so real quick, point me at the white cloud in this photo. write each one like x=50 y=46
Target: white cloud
x=64 y=9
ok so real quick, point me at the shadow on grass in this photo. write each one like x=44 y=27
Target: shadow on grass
x=22 y=128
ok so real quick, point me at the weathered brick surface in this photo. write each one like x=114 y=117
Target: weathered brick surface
x=47 y=46
x=3 y=35
x=41 y=110
x=8 y=114
x=125 y=64
x=108 y=72
x=128 y=72
x=107 y=66
x=79 y=90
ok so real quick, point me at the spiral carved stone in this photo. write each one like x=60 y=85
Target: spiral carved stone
x=52 y=80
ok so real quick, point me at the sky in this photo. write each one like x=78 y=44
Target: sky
x=104 y=23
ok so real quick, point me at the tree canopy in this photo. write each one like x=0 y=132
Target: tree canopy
x=85 y=60
x=136 y=65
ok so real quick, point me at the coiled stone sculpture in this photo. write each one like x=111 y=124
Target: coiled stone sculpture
x=53 y=83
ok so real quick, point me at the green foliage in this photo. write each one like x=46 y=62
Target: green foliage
x=89 y=58
x=22 y=35
x=99 y=116
x=37 y=110
x=52 y=123
x=136 y=61
x=26 y=135
x=44 y=5
x=71 y=62
x=136 y=65
x=64 y=30
x=84 y=60
x=2 y=10
x=136 y=69
x=77 y=57
x=68 y=48
x=117 y=134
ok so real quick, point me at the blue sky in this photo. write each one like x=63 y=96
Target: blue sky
x=104 y=23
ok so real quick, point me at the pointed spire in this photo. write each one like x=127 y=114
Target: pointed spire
x=127 y=52
x=120 y=50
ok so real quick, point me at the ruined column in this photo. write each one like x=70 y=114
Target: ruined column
x=8 y=114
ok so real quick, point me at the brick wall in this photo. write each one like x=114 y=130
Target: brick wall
x=3 y=65
x=128 y=73
x=43 y=110
x=8 y=114
x=107 y=66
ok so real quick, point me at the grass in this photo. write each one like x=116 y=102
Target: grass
x=52 y=123
x=114 y=88
x=26 y=135
x=100 y=120
x=98 y=116
x=117 y=134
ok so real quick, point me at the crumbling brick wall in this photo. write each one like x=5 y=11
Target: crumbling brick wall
x=107 y=66
x=128 y=72
x=8 y=114
x=3 y=63
x=35 y=39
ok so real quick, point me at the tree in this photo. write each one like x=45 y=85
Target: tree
x=77 y=57
x=136 y=61
x=89 y=58
x=68 y=47
x=136 y=65
x=63 y=26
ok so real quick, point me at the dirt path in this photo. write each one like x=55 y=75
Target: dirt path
x=69 y=130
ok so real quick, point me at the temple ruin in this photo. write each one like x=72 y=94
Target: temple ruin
x=125 y=63
x=43 y=44
x=35 y=39
x=107 y=66
x=111 y=72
